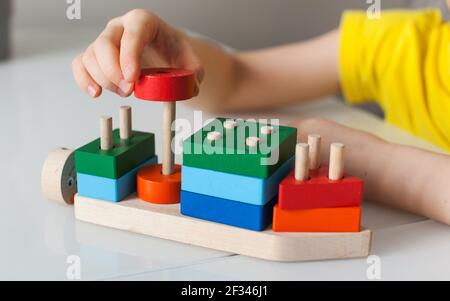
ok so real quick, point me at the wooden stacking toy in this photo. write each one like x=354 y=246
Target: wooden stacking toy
x=161 y=184
x=107 y=167
x=233 y=185
x=224 y=196
x=322 y=199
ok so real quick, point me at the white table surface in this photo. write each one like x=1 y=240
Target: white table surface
x=43 y=109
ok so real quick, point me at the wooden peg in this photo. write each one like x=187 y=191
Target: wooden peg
x=302 y=162
x=106 y=133
x=336 y=171
x=168 y=155
x=125 y=122
x=252 y=141
x=162 y=183
x=267 y=130
x=314 y=151
x=230 y=124
x=214 y=136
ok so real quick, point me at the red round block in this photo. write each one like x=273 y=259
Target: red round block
x=154 y=187
x=165 y=84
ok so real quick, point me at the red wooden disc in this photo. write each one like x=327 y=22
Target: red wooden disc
x=165 y=84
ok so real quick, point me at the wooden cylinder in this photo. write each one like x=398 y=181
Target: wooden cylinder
x=214 y=136
x=125 y=122
x=252 y=141
x=314 y=151
x=336 y=171
x=58 y=177
x=229 y=124
x=302 y=162
x=106 y=133
x=267 y=130
x=168 y=155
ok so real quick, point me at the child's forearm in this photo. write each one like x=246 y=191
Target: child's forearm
x=220 y=75
x=268 y=78
x=404 y=177
x=418 y=181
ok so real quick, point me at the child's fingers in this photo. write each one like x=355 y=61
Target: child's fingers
x=198 y=71
x=106 y=50
x=83 y=79
x=92 y=66
x=140 y=28
x=113 y=61
x=189 y=60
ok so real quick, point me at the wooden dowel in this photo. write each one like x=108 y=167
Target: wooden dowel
x=214 y=136
x=267 y=130
x=302 y=162
x=168 y=155
x=252 y=141
x=314 y=151
x=106 y=133
x=125 y=122
x=229 y=124
x=336 y=171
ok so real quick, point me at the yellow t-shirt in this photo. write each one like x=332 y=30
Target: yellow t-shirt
x=402 y=61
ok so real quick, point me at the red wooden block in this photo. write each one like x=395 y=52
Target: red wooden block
x=319 y=191
x=165 y=84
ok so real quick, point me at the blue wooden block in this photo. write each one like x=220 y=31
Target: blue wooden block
x=251 y=190
x=227 y=212
x=107 y=189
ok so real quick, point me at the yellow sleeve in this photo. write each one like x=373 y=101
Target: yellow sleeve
x=401 y=61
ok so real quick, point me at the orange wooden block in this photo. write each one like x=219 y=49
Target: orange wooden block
x=154 y=187
x=342 y=219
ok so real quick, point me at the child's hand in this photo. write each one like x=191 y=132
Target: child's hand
x=128 y=43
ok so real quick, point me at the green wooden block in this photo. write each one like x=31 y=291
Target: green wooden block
x=230 y=153
x=114 y=163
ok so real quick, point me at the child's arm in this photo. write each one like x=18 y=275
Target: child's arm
x=404 y=177
x=241 y=81
x=287 y=74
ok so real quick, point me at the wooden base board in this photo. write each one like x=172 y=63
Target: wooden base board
x=165 y=221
